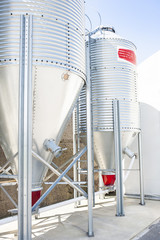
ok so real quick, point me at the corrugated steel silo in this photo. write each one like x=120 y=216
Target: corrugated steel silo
x=113 y=76
x=58 y=72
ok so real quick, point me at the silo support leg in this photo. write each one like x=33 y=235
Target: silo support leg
x=89 y=149
x=74 y=152
x=25 y=130
x=118 y=159
x=141 y=171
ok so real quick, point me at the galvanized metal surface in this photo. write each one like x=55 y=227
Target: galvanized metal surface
x=58 y=32
x=75 y=174
x=58 y=72
x=60 y=176
x=141 y=177
x=111 y=78
x=25 y=129
x=118 y=159
x=102 y=109
x=90 y=158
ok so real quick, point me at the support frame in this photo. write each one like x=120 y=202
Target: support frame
x=142 y=202
x=60 y=176
x=89 y=145
x=25 y=129
x=118 y=158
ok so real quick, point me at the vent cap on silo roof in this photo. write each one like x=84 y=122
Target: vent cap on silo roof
x=109 y=29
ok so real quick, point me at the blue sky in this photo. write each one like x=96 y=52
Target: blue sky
x=136 y=20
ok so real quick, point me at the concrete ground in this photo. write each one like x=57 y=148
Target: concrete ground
x=68 y=223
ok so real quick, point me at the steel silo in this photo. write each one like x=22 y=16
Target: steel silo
x=58 y=73
x=113 y=76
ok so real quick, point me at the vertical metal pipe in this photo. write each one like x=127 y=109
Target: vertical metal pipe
x=74 y=152
x=142 y=202
x=101 y=185
x=89 y=149
x=78 y=147
x=25 y=129
x=92 y=138
x=118 y=158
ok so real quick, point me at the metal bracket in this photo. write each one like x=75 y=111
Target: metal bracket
x=50 y=145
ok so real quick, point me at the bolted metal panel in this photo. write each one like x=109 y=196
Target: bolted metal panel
x=103 y=114
x=58 y=32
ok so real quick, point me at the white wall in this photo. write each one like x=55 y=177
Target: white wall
x=150 y=124
x=149 y=96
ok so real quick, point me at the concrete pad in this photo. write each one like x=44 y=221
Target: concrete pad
x=68 y=223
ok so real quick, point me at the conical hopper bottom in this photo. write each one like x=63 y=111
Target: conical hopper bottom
x=53 y=101
x=104 y=147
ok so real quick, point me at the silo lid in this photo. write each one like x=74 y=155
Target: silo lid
x=110 y=29
x=104 y=32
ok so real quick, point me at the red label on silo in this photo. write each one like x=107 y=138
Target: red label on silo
x=127 y=55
